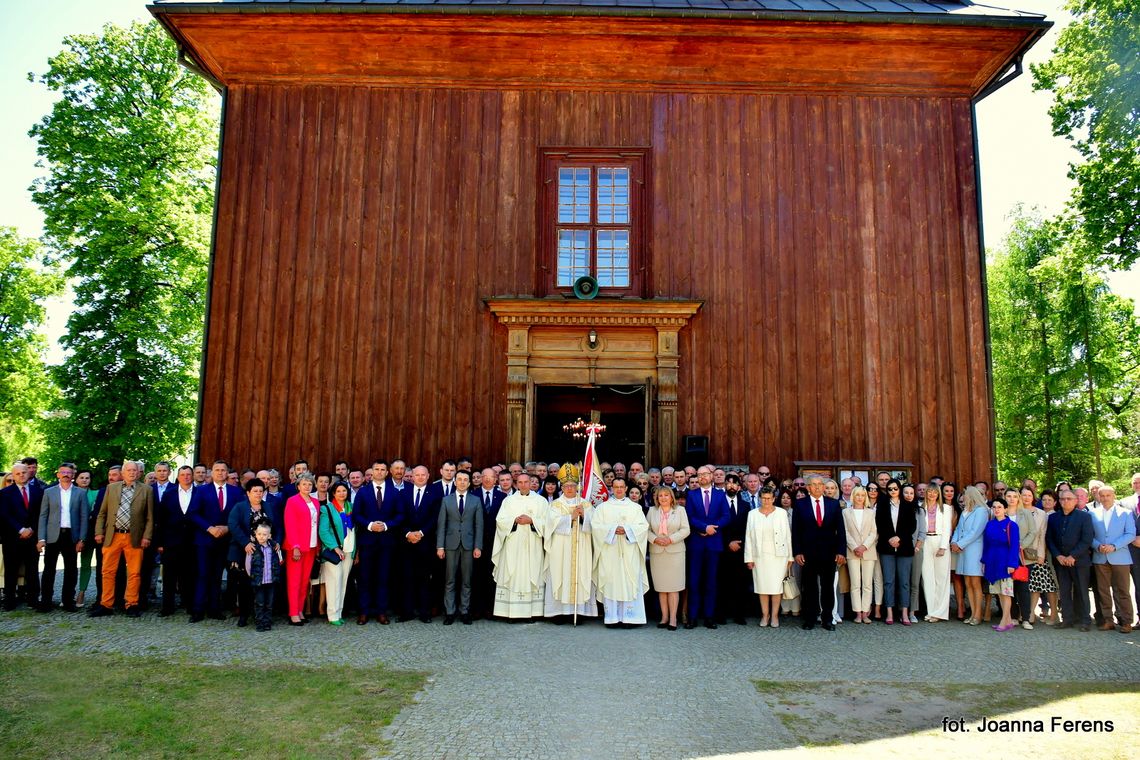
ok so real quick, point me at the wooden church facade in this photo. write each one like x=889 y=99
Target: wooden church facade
x=779 y=200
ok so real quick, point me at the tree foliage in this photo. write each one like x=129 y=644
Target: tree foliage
x=1095 y=78
x=26 y=391
x=1066 y=360
x=130 y=151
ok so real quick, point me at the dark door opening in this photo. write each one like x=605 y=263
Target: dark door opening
x=620 y=408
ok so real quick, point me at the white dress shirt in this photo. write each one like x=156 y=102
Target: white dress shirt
x=64 y=507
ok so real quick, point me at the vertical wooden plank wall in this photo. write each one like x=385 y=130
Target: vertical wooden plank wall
x=832 y=238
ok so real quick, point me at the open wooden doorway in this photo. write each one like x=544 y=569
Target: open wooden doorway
x=621 y=408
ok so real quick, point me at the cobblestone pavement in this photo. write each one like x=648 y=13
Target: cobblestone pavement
x=536 y=690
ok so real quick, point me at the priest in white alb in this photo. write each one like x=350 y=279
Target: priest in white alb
x=569 y=552
x=621 y=534
x=517 y=555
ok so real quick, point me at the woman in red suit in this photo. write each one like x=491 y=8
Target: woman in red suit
x=301 y=542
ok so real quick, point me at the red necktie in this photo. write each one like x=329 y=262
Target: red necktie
x=24 y=493
x=818 y=514
x=221 y=499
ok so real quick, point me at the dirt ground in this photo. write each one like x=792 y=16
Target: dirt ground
x=907 y=720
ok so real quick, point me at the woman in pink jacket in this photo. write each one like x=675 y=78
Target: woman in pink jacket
x=300 y=546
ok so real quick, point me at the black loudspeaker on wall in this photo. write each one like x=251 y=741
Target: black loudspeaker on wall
x=695 y=450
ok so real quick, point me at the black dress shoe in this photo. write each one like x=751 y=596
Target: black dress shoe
x=1062 y=626
x=808 y=626
x=662 y=625
x=403 y=618
x=216 y=616
x=43 y=608
x=614 y=626
x=465 y=619
x=1085 y=628
x=296 y=622
x=741 y=621
x=382 y=619
x=70 y=608
x=134 y=612
x=197 y=617
x=710 y=625
x=448 y=619
x=690 y=625
x=242 y=622
x=99 y=610
x=165 y=613
x=672 y=627
x=828 y=626
x=361 y=620
x=427 y=618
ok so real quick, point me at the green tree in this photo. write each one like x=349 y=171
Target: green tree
x=26 y=390
x=130 y=151
x=1066 y=356
x=1095 y=78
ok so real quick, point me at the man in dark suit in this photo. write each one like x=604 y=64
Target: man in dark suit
x=707 y=508
x=61 y=530
x=124 y=528
x=377 y=516
x=491 y=498
x=209 y=515
x=176 y=541
x=819 y=543
x=735 y=581
x=1069 y=536
x=19 y=518
x=459 y=540
x=417 y=556
x=33 y=465
x=290 y=488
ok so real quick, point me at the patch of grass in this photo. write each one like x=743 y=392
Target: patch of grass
x=112 y=706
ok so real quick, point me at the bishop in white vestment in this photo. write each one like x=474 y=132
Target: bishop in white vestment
x=568 y=523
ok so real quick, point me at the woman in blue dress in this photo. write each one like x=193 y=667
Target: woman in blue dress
x=1001 y=554
x=967 y=544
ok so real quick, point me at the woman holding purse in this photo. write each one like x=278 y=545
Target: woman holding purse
x=338 y=550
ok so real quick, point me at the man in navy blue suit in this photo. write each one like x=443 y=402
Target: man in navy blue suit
x=819 y=543
x=19 y=515
x=708 y=512
x=483 y=580
x=209 y=515
x=176 y=542
x=417 y=545
x=377 y=515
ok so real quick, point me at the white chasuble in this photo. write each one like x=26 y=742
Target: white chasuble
x=518 y=557
x=619 y=563
x=562 y=568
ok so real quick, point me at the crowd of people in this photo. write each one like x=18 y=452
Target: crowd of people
x=684 y=546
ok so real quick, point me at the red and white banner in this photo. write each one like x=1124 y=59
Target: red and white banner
x=593 y=487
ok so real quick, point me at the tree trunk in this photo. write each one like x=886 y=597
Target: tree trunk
x=1089 y=384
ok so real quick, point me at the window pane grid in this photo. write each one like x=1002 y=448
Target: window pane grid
x=613 y=195
x=574 y=195
x=613 y=258
x=573 y=256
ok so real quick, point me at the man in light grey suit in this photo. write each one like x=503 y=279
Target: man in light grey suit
x=459 y=540
x=62 y=526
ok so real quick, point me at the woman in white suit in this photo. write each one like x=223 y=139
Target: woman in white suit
x=859 y=522
x=936 y=554
x=768 y=554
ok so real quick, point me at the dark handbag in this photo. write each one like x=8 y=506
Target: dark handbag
x=328 y=555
